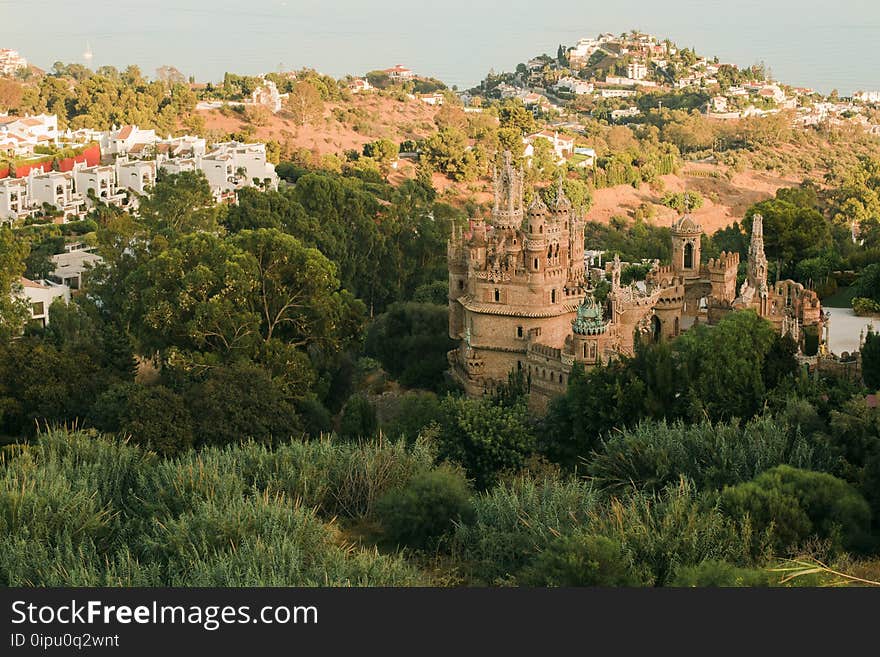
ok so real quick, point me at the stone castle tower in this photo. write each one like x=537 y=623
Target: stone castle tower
x=755 y=285
x=515 y=280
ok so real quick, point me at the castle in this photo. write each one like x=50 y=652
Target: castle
x=519 y=297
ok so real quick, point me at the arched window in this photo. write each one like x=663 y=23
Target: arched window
x=536 y=264
x=688 y=256
x=552 y=296
x=675 y=329
x=497 y=294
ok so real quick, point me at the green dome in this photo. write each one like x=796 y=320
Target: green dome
x=590 y=319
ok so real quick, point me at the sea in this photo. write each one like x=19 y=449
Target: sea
x=810 y=43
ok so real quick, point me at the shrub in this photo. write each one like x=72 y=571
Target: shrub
x=581 y=560
x=714 y=573
x=865 y=306
x=420 y=514
x=358 y=419
x=515 y=520
x=682 y=201
x=77 y=509
x=799 y=504
x=408 y=416
x=673 y=528
x=486 y=438
x=152 y=416
x=655 y=454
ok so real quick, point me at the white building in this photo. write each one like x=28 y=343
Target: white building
x=72 y=267
x=507 y=90
x=582 y=51
x=617 y=93
x=233 y=165
x=173 y=147
x=267 y=95
x=101 y=181
x=56 y=189
x=636 y=70
x=436 y=99
x=120 y=141
x=867 y=96
x=629 y=112
x=574 y=85
x=563 y=146
x=176 y=166
x=14 y=199
x=30 y=131
x=40 y=295
x=586 y=157
x=11 y=62
x=138 y=176
x=399 y=72
x=359 y=85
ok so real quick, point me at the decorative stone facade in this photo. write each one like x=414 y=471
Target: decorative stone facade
x=519 y=300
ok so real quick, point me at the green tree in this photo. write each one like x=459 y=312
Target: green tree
x=152 y=416
x=241 y=402
x=485 y=438
x=196 y=296
x=305 y=104
x=446 y=151
x=793 y=226
x=180 y=203
x=798 y=504
x=423 y=512
x=296 y=292
x=412 y=340
x=14 y=310
x=513 y=114
x=358 y=419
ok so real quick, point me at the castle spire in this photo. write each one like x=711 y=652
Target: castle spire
x=757 y=275
x=508 y=210
x=562 y=202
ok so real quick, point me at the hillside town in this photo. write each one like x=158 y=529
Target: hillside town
x=614 y=72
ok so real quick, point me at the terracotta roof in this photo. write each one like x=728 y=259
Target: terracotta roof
x=125 y=132
x=26 y=282
x=514 y=311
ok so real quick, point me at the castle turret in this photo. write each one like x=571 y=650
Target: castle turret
x=536 y=242
x=508 y=210
x=589 y=332
x=686 y=234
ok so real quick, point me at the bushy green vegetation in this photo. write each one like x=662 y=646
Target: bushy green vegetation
x=247 y=365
